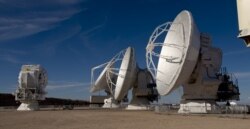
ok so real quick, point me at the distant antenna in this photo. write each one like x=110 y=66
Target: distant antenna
x=128 y=75
x=32 y=81
x=186 y=58
x=103 y=82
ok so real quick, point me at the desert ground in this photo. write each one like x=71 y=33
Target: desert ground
x=114 y=119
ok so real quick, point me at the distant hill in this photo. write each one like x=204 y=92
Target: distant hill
x=9 y=100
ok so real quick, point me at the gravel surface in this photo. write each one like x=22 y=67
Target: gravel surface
x=114 y=119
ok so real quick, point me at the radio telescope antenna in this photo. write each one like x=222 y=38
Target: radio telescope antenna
x=127 y=76
x=180 y=47
x=187 y=58
x=104 y=80
x=32 y=82
x=131 y=76
x=124 y=68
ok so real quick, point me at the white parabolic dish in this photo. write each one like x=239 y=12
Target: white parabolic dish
x=175 y=71
x=101 y=82
x=127 y=74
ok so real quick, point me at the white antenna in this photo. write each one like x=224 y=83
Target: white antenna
x=128 y=76
x=32 y=81
x=181 y=46
x=187 y=58
x=106 y=80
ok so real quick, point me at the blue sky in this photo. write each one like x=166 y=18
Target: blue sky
x=69 y=37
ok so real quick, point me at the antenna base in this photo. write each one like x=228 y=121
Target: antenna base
x=111 y=103
x=28 y=106
x=138 y=107
x=139 y=103
x=144 y=91
x=199 y=107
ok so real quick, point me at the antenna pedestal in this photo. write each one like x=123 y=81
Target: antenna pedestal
x=138 y=103
x=28 y=106
x=199 y=106
x=200 y=92
x=111 y=103
x=143 y=91
x=97 y=101
x=202 y=99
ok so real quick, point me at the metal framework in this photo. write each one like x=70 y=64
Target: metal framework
x=93 y=70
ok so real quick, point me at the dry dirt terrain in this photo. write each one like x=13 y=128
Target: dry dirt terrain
x=113 y=119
